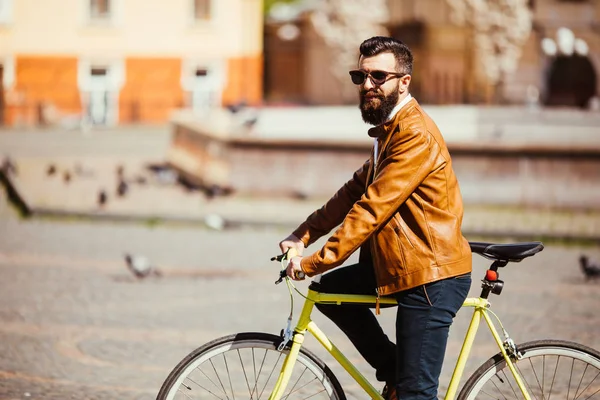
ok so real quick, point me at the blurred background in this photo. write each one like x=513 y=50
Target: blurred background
x=154 y=153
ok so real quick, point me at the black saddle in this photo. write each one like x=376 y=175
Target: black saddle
x=513 y=252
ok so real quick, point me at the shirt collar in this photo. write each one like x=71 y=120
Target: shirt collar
x=398 y=107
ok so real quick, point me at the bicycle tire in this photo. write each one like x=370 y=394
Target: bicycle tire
x=228 y=354
x=576 y=365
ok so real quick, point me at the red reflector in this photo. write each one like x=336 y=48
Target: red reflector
x=491 y=275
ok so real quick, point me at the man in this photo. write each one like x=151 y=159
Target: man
x=403 y=209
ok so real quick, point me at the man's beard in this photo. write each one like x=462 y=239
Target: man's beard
x=376 y=110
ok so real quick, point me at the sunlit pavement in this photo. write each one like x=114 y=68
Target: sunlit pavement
x=75 y=324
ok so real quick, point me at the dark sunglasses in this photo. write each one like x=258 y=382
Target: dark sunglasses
x=377 y=77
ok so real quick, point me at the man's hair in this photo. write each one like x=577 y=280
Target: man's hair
x=382 y=44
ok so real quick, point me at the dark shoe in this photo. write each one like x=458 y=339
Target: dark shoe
x=389 y=392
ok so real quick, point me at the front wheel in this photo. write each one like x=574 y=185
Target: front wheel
x=549 y=369
x=246 y=366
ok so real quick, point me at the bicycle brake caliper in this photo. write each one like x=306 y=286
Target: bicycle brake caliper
x=287 y=335
x=511 y=348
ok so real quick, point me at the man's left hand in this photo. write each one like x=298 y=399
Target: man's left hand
x=294 y=268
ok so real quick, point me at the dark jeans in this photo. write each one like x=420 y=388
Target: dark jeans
x=423 y=320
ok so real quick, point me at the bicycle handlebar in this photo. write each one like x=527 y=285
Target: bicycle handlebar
x=291 y=252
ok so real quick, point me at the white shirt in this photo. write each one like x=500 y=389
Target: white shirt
x=392 y=114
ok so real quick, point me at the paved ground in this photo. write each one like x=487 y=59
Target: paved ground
x=75 y=325
x=91 y=161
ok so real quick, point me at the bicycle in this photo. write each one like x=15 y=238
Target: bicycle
x=253 y=364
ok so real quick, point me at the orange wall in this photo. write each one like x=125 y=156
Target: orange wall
x=44 y=79
x=152 y=89
x=244 y=80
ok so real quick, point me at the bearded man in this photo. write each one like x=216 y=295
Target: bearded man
x=403 y=210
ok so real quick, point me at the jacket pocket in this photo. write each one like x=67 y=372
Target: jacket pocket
x=401 y=231
x=390 y=249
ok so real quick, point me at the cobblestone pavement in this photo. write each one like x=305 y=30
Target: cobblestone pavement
x=75 y=325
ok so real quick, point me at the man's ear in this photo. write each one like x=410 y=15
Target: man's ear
x=404 y=83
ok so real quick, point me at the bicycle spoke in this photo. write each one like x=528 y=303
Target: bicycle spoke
x=185 y=394
x=592 y=381
x=243 y=367
x=486 y=393
x=255 y=388
x=579 y=385
x=316 y=394
x=229 y=376
x=543 y=375
x=270 y=374
x=207 y=377
x=297 y=380
x=245 y=376
x=201 y=387
x=306 y=384
x=529 y=389
x=499 y=389
x=580 y=376
x=553 y=377
x=509 y=384
x=218 y=378
x=590 y=396
x=537 y=379
x=570 y=378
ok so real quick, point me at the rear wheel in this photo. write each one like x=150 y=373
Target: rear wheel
x=246 y=366
x=550 y=369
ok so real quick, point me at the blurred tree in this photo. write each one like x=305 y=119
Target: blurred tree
x=500 y=29
x=268 y=4
x=344 y=24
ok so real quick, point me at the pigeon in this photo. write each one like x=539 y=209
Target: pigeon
x=591 y=271
x=140 y=266
x=122 y=188
x=67 y=177
x=250 y=122
x=212 y=191
x=235 y=108
x=102 y=198
x=51 y=170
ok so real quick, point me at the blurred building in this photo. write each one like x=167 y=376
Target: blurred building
x=126 y=61
x=446 y=66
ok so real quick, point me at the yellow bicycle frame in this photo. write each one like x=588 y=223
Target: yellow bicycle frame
x=306 y=324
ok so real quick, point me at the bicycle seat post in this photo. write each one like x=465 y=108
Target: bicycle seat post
x=491 y=283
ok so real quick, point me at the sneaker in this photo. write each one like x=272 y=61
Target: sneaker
x=389 y=392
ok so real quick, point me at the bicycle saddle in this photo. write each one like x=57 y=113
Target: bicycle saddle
x=514 y=252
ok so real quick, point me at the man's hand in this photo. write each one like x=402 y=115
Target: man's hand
x=292 y=242
x=294 y=268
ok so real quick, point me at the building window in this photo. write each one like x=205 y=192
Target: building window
x=100 y=9
x=202 y=10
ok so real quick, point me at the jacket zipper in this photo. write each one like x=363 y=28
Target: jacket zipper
x=370 y=178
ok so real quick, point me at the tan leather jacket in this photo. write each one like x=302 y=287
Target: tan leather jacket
x=408 y=209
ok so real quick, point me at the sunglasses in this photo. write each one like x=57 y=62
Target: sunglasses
x=377 y=77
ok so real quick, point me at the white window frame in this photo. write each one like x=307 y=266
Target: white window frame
x=214 y=79
x=116 y=78
x=199 y=22
x=8 y=66
x=6 y=12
